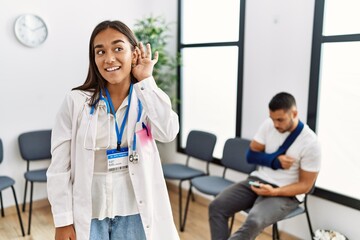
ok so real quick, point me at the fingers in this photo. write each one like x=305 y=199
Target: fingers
x=138 y=54
x=145 y=52
x=156 y=57
x=142 y=50
x=148 y=50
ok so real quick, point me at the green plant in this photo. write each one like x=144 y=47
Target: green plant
x=155 y=30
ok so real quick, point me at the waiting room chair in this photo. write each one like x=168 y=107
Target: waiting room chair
x=34 y=146
x=302 y=208
x=234 y=157
x=6 y=182
x=199 y=145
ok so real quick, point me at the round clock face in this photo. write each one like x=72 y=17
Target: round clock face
x=30 y=30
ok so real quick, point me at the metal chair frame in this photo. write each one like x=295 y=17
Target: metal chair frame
x=234 y=157
x=296 y=212
x=11 y=184
x=200 y=145
x=34 y=146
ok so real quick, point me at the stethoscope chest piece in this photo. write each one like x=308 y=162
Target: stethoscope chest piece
x=134 y=157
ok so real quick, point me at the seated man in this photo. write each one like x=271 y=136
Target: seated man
x=288 y=155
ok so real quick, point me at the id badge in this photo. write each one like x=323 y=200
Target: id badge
x=117 y=160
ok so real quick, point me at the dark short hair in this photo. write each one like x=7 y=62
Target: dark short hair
x=282 y=101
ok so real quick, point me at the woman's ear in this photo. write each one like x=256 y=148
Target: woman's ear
x=134 y=58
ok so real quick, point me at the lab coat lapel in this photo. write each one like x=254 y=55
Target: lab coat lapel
x=93 y=126
x=132 y=118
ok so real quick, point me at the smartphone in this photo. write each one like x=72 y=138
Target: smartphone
x=254 y=183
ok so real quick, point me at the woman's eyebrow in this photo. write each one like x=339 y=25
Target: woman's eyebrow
x=113 y=42
x=98 y=46
x=117 y=41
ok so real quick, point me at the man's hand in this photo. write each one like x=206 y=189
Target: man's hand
x=265 y=190
x=65 y=233
x=286 y=161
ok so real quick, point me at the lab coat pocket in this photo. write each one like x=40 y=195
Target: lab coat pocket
x=143 y=133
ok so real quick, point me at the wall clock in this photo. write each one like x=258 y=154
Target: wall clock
x=30 y=30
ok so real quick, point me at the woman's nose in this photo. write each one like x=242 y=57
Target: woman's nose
x=110 y=58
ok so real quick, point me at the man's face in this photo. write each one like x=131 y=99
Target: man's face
x=283 y=120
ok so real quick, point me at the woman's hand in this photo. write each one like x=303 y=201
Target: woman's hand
x=65 y=233
x=144 y=65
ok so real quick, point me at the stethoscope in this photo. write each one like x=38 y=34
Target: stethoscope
x=119 y=131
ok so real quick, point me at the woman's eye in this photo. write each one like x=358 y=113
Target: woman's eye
x=100 y=52
x=118 y=49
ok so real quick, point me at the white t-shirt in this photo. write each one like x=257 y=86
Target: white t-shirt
x=112 y=191
x=305 y=150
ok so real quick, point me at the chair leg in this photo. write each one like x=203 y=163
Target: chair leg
x=192 y=197
x=231 y=224
x=309 y=222
x=180 y=204
x=2 y=206
x=18 y=212
x=182 y=226
x=30 y=207
x=275 y=232
x=25 y=192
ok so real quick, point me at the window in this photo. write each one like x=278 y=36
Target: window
x=211 y=47
x=334 y=98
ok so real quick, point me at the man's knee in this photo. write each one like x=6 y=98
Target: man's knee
x=255 y=222
x=214 y=206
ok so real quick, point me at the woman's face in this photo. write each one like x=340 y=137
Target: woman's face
x=114 y=56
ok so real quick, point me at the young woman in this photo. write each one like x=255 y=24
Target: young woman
x=105 y=180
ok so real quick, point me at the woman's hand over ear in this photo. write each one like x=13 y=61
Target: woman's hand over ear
x=144 y=64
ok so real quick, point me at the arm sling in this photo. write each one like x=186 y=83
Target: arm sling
x=271 y=159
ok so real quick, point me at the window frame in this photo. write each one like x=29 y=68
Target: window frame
x=240 y=70
x=313 y=97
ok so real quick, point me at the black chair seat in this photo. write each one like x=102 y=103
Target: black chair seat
x=180 y=172
x=211 y=185
x=6 y=182
x=36 y=175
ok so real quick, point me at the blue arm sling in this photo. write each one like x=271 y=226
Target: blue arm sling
x=270 y=159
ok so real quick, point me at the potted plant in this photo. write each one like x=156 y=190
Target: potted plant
x=155 y=30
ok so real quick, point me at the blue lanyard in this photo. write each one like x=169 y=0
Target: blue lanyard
x=137 y=120
x=120 y=132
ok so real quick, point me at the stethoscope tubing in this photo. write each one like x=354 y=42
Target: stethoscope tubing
x=92 y=113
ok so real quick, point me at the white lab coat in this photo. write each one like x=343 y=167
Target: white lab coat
x=71 y=169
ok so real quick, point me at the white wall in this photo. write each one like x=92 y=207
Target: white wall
x=34 y=81
x=278 y=35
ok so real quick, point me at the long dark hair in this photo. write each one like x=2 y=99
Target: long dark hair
x=94 y=81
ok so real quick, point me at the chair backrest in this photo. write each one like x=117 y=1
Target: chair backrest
x=234 y=155
x=200 y=145
x=35 y=145
x=1 y=151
